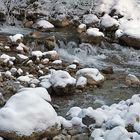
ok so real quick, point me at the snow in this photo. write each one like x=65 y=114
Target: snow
x=82 y=82
x=117 y=133
x=7 y=57
x=37 y=53
x=53 y=55
x=107 y=21
x=90 y=19
x=61 y=78
x=72 y=66
x=45 y=83
x=74 y=111
x=81 y=26
x=97 y=133
x=93 y=73
x=76 y=121
x=16 y=37
x=45 y=24
x=22 y=57
x=57 y=62
x=65 y=123
x=130 y=28
x=28 y=111
x=20 y=47
x=25 y=78
x=19 y=71
x=94 y=32
x=8 y=74
x=112 y=121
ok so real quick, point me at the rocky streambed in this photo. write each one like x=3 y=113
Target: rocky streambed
x=69 y=70
x=28 y=66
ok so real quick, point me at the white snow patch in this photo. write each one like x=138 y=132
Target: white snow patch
x=94 y=32
x=61 y=79
x=107 y=21
x=57 y=62
x=28 y=111
x=90 y=72
x=16 y=37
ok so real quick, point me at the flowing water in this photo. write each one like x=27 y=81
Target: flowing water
x=124 y=61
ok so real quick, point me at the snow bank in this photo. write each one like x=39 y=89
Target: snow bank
x=28 y=111
x=130 y=28
x=110 y=121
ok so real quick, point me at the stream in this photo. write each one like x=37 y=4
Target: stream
x=124 y=61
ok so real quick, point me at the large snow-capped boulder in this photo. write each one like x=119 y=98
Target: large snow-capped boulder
x=92 y=35
x=108 y=23
x=28 y=114
x=62 y=82
x=129 y=33
x=94 y=77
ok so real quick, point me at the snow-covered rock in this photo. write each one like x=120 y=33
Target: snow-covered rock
x=109 y=23
x=97 y=133
x=7 y=57
x=21 y=48
x=74 y=111
x=21 y=57
x=44 y=24
x=117 y=133
x=92 y=35
x=132 y=80
x=16 y=38
x=27 y=112
x=51 y=55
x=8 y=74
x=57 y=62
x=90 y=19
x=81 y=82
x=94 y=32
x=82 y=28
x=71 y=67
x=25 y=78
x=38 y=54
x=62 y=82
x=65 y=123
x=94 y=77
x=129 y=33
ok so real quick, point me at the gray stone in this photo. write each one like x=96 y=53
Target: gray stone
x=80 y=137
x=88 y=120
